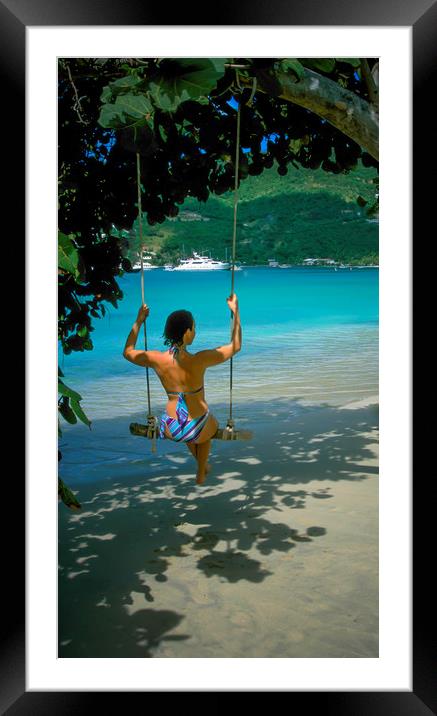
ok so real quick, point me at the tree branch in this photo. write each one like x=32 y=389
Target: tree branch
x=370 y=82
x=351 y=114
x=77 y=105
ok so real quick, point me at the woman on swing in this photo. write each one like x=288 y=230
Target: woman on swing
x=187 y=417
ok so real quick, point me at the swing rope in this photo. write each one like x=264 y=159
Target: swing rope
x=230 y=423
x=150 y=418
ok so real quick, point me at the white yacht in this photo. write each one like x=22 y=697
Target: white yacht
x=201 y=263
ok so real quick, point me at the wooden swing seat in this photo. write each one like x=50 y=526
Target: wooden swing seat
x=151 y=432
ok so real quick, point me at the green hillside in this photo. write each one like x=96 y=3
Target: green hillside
x=307 y=213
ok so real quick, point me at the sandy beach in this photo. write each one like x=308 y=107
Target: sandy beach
x=276 y=555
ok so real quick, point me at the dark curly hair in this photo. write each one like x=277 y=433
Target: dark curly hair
x=175 y=327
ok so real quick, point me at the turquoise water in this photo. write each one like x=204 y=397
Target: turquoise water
x=309 y=334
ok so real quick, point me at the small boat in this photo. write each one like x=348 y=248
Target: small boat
x=147 y=258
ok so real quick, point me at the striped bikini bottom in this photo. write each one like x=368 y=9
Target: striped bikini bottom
x=183 y=432
x=182 y=429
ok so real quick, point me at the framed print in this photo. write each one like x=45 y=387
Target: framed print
x=93 y=590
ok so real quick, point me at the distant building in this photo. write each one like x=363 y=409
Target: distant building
x=189 y=216
x=319 y=261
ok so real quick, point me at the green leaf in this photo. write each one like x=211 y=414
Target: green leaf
x=295 y=145
x=163 y=133
x=80 y=414
x=66 y=391
x=219 y=63
x=82 y=331
x=133 y=107
x=294 y=66
x=67 y=412
x=123 y=85
x=319 y=64
x=246 y=73
x=67 y=496
x=184 y=79
x=109 y=118
x=128 y=109
x=68 y=257
x=106 y=95
x=354 y=61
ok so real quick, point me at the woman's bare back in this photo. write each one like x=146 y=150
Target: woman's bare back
x=184 y=373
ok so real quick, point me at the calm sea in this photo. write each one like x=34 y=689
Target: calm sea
x=309 y=335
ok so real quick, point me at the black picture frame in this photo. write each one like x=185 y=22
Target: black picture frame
x=15 y=16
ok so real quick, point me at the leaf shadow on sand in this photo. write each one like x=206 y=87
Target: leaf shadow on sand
x=150 y=513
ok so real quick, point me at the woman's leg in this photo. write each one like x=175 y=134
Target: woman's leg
x=193 y=450
x=202 y=461
x=203 y=441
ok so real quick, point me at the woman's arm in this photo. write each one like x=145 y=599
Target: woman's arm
x=142 y=358
x=232 y=302
x=218 y=355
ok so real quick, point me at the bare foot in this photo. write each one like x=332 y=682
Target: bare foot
x=201 y=477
